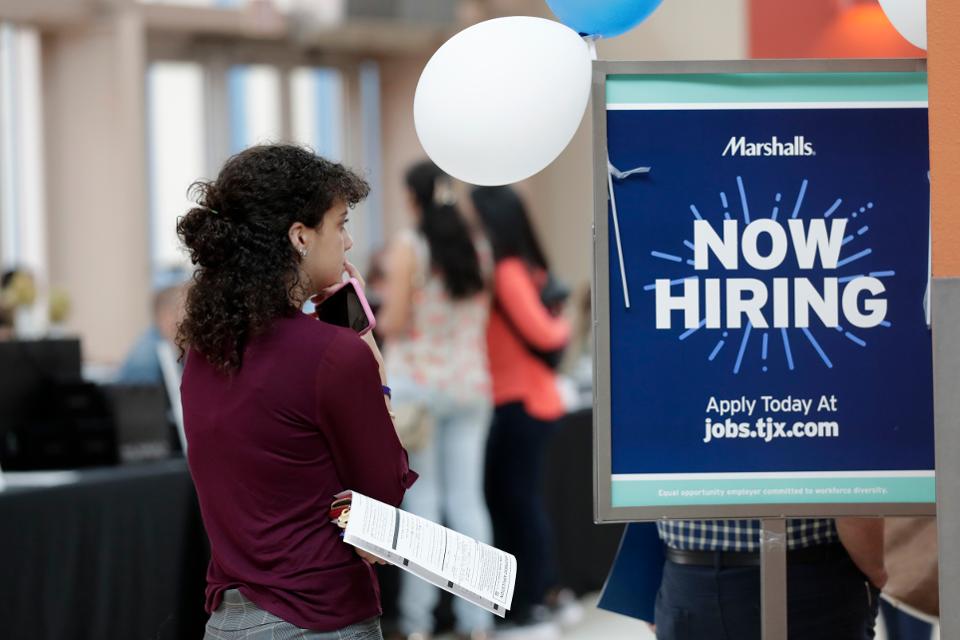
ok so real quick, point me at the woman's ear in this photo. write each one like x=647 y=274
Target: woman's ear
x=296 y=236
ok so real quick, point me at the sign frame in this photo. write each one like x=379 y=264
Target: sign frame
x=604 y=511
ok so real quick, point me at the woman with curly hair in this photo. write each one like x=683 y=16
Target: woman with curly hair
x=281 y=411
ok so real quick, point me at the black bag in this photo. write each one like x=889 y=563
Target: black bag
x=553 y=295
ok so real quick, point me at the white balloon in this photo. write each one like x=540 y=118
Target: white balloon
x=910 y=19
x=501 y=100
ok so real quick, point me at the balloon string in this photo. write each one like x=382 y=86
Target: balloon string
x=926 y=295
x=616 y=233
x=613 y=172
x=620 y=175
x=592 y=46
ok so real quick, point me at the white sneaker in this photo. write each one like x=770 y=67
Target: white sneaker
x=566 y=609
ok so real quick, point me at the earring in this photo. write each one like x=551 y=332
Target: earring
x=303 y=253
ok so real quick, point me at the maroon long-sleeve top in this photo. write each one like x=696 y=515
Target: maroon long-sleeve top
x=268 y=447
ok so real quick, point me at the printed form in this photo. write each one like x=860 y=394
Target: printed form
x=472 y=570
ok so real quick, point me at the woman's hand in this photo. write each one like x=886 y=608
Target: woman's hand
x=372 y=559
x=372 y=343
x=325 y=293
x=353 y=272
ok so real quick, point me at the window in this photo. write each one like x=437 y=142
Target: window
x=254 y=99
x=372 y=146
x=317 y=106
x=176 y=139
x=200 y=3
x=200 y=111
x=22 y=210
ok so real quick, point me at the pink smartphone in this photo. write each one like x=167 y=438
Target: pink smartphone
x=347 y=307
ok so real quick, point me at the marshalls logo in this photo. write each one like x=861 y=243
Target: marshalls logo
x=775 y=147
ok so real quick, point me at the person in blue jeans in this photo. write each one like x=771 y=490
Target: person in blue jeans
x=433 y=319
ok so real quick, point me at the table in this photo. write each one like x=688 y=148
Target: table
x=121 y=552
x=102 y=553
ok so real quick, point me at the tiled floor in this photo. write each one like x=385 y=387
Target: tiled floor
x=598 y=624
x=602 y=625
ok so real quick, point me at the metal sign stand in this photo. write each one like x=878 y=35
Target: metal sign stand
x=773 y=579
x=773 y=547
x=946 y=382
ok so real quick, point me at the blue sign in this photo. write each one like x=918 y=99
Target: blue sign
x=776 y=347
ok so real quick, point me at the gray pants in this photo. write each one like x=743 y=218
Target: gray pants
x=237 y=618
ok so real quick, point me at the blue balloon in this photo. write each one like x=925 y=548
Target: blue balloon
x=604 y=18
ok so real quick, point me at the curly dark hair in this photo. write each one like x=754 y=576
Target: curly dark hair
x=247 y=269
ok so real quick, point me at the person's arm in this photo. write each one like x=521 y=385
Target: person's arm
x=355 y=419
x=519 y=299
x=368 y=338
x=863 y=540
x=394 y=316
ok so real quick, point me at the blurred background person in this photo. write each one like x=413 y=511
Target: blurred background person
x=18 y=295
x=911 y=595
x=6 y=321
x=433 y=319
x=523 y=334
x=376 y=287
x=142 y=363
x=29 y=311
x=581 y=359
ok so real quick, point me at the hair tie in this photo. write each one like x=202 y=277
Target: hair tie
x=443 y=193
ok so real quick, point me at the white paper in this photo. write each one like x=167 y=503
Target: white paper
x=475 y=571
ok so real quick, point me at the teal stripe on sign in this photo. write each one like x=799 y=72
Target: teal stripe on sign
x=647 y=493
x=767 y=87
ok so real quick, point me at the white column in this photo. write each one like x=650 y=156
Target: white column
x=96 y=178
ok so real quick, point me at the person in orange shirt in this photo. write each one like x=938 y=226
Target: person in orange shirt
x=523 y=336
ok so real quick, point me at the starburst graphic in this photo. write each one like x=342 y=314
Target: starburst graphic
x=853 y=250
